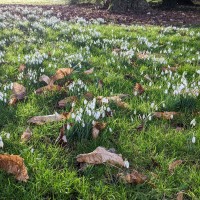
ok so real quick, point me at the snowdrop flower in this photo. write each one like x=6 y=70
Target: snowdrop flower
x=104 y=100
x=193 y=122
x=97 y=115
x=32 y=150
x=85 y=101
x=152 y=105
x=110 y=129
x=1 y=142
x=131 y=119
x=73 y=115
x=8 y=135
x=150 y=117
x=126 y=164
x=193 y=139
x=83 y=124
x=73 y=104
x=68 y=126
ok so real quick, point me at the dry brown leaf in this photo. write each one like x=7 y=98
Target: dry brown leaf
x=172 y=69
x=116 y=50
x=138 y=89
x=48 y=88
x=64 y=102
x=89 y=71
x=116 y=99
x=39 y=120
x=62 y=139
x=142 y=55
x=100 y=84
x=99 y=156
x=22 y=68
x=18 y=93
x=122 y=104
x=180 y=195
x=26 y=135
x=45 y=78
x=166 y=115
x=134 y=177
x=97 y=127
x=89 y=96
x=140 y=127
x=60 y=74
x=174 y=164
x=14 y=164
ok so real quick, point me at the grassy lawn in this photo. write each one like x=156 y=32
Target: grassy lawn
x=165 y=61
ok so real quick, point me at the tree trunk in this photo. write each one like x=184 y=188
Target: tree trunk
x=126 y=5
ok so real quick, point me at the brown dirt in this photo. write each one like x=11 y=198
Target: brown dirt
x=180 y=17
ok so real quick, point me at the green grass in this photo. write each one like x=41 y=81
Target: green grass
x=53 y=171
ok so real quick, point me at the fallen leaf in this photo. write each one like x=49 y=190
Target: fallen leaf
x=142 y=55
x=97 y=127
x=138 y=89
x=140 y=127
x=133 y=177
x=22 y=68
x=116 y=50
x=99 y=156
x=39 y=120
x=26 y=135
x=89 y=96
x=48 y=88
x=45 y=78
x=172 y=69
x=14 y=164
x=60 y=74
x=174 y=164
x=62 y=139
x=116 y=99
x=100 y=84
x=180 y=195
x=165 y=115
x=62 y=103
x=89 y=71
x=18 y=93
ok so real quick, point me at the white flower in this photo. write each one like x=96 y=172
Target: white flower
x=85 y=101
x=126 y=164
x=104 y=100
x=68 y=126
x=8 y=135
x=73 y=115
x=110 y=129
x=32 y=150
x=193 y=139
x=193 y=122
x=83 y=124
x=1 y=142
x=97 y=115
x=73 y=104
x=152 y=105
